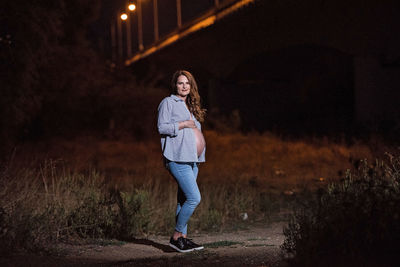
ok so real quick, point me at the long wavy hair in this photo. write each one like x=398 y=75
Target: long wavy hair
x=193 y=99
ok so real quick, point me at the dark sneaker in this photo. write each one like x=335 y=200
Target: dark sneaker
x=193 y=245
x=180 y=245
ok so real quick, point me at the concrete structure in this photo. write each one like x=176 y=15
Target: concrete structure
x=310 y=63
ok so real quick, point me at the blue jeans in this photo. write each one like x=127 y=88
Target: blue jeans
x=185 y=174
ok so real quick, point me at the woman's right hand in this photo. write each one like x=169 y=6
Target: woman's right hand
x=187 y=124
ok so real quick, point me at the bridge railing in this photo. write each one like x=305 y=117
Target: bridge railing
x=128 y=35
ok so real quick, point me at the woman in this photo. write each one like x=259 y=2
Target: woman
x=183 y=147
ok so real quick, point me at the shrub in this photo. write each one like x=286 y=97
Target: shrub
x=354 y=222
x=38 y=208
x=211 y=220
x=135 y=212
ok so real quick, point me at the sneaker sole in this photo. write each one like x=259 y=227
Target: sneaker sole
x=180 y=250
x=199 y=248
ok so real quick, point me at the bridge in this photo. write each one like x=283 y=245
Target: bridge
x=209 y=12
x=309 y=63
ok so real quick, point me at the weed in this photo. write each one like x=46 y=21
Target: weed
x=135 y=211
x=211 y=220
x=256 y=239
x=130 y=193
x=352 y=221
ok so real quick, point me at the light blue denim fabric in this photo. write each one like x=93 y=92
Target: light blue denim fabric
x=177 y=145
x=185 y=174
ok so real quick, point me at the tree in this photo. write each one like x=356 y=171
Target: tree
x=46 y=63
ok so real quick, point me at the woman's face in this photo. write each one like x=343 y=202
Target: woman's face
x=182 y=86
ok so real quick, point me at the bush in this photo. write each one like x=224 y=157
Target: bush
x=135 y=212
x=42 y=204
x=41 y=207
x=212 y=220
x=353 y=223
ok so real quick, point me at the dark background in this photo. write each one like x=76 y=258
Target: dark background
x=310 y=67
x=315 y=67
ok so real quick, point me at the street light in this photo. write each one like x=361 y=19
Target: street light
x=116 y=35
x=140 y=27
x=121 y=18
x=131 y=7
x=116 y=30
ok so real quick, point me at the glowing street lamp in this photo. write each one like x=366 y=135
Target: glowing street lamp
x=132 y=7
x=124 y=16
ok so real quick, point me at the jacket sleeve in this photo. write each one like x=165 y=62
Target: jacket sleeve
x=165 y=124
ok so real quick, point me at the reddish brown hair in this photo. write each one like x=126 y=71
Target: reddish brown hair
x=193 y=99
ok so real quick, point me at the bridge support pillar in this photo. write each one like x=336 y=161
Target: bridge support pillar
x=376 y=91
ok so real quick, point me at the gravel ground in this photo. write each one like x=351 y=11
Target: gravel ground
x=257 y=246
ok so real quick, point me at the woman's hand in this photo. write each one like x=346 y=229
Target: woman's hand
x=187 y=124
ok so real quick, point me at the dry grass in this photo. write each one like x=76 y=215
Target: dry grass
x=264 y=159
x=354 y=222
x=90 y=187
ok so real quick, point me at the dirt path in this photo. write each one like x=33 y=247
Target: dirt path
x=257 y=246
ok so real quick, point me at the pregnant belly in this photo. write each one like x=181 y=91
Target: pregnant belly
x=200 y=142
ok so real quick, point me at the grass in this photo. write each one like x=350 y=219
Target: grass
x=256 y=239
x=262 y=160
x=94 y=188
x=353 y=222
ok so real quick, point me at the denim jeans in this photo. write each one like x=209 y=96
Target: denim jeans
x=185 y=174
